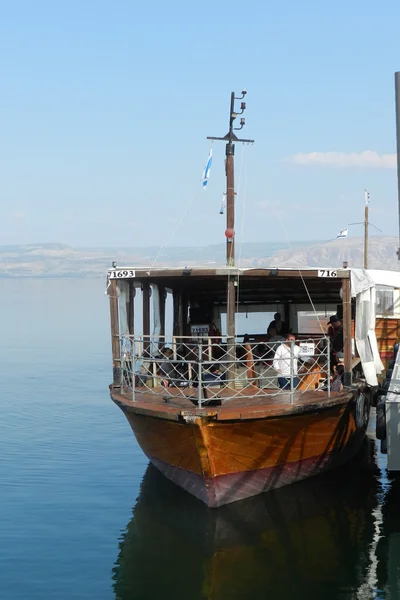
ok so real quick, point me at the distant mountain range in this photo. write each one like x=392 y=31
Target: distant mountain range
x=58 y=260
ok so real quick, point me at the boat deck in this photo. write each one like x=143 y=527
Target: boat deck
x=244 y=406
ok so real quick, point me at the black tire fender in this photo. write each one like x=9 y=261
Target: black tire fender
x=381 y=418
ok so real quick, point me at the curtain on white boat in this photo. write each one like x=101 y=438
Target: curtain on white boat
x=363 y=288
x=155 y=294
x=123 y=300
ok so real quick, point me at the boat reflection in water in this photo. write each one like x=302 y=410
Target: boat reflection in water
x=310 y=540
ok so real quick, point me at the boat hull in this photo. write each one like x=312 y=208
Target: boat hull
x=220 y=462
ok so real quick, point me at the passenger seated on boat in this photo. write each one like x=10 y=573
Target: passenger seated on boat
x=214 y=375
x=141 y=369
x=278 y=325
x=166 y=367
x=286 y=364
x=337 y=381
x=335 y=333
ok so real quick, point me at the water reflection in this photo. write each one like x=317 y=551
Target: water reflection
x=310 y=540
x=388 y=550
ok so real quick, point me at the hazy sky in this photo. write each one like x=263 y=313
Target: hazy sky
x=106 y=107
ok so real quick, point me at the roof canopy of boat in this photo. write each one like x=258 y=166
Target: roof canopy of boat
x=254 y=286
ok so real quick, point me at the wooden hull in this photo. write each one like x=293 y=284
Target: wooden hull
x=222 y=461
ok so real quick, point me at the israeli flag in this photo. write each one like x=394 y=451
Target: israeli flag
x=342 y=234
x=206 y=172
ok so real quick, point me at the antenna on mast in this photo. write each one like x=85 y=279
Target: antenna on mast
x=230 y=138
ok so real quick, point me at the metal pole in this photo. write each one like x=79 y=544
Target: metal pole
x=133 y=366
x=329 y=366
x=366 y=232
x=397 y=101
x=200 y=376
x=291 y=371
x=347 y=330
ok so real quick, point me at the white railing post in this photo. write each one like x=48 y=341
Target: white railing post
x=200 y=375
x=291 y=371
x=133 y=368
x=328 y=361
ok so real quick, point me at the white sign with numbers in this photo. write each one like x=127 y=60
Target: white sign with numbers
x=121 y=274
x=199 y=331
x=327 y=273
x=307 y=348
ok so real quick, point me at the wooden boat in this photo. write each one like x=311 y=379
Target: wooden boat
x=213 y=417
x=313 y=540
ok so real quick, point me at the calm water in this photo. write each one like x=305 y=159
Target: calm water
x=83 y=516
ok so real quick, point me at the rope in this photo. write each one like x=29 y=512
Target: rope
x=301 y=275
x=241 y=228
x=174 y=231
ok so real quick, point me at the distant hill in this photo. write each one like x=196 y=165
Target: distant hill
x=382 y=254
x=59 y=260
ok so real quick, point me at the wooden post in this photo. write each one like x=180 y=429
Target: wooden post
x=162 y=294
x=347 y=330
x=230 y=250
x=184 y=315
x=146 y=316
x=286 y=316
x=130 y=308
x=115 y=346
x=177 y=324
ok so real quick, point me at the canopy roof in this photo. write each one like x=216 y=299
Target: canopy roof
x=254 y=286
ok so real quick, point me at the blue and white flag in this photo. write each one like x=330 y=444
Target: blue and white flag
x=342 y=234
x=206 y=172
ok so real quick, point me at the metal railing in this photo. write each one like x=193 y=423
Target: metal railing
x=206 y=370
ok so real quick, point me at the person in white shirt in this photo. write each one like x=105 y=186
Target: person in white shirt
x=285 y=362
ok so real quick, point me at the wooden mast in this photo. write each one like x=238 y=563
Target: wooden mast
x=230 y=138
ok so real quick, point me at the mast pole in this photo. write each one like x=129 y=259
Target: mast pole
x=397 y=99
x=230 y=138
x=230 y=190
x=366 y=197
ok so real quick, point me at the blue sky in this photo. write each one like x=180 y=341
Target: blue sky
x=106 y=107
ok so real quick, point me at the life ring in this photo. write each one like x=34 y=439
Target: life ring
x=362 y=410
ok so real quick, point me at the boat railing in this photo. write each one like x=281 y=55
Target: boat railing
x=207 y=371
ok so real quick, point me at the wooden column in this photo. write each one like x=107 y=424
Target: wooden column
x=347 y=329
x=115 y=347
x=286 y=316
x=146 y=316
x=130 y=308
x=185 y=308
x=177 y=325
x=161 y=291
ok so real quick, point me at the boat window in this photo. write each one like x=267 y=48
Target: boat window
x=385 y=301
x=311 y=322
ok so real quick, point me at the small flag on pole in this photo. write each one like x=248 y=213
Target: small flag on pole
x=342 y=234
x=206 y=172
x=366 y=196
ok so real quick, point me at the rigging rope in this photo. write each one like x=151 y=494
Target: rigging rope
x=243 y=204
x=174 y=231
x=301 y=275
